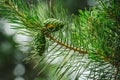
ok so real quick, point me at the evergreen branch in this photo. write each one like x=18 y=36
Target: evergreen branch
x=21 y=15
x=66 y=45
x=92 y=29
x=50 y=7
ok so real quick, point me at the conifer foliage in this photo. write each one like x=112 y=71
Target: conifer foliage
x=87 y=45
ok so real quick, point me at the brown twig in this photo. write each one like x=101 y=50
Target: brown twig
x=66 y=45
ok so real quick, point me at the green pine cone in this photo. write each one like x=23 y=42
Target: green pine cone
x=39 y=43
x=53 y=25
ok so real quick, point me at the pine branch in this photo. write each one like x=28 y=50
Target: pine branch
x=66 y=45
x=50 y=4
x=96 y=30
x=21 y=15
x=31 y=23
